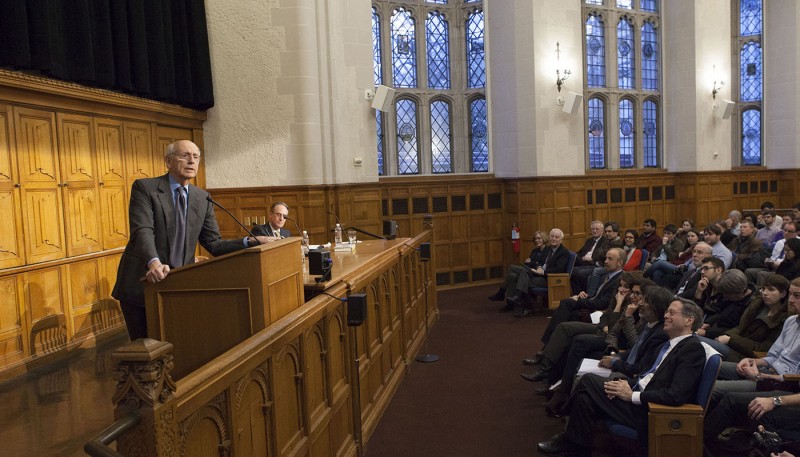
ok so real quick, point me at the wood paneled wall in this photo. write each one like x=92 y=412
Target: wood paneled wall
x=68 y=157
x=474 y=214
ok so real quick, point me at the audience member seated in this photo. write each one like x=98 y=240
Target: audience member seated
x=734 y=218
x=671 y=380
x=710 y=273
x=554 y=259
x=796 y=213
x=772 y=262
x=782 y=358
x=590 y=255
x=555 y=350
x=661 y=268
x=790 y=267
x=649 y=239
x=687 y=284
x=534 y=260
x=760 y=324
x=645 y=338
x=724 y=310
x=686 y=226
x=772 y=229
x=632 y=262
x=670 y=246
x=750 y=252
x=569 y=309
x=711 y=235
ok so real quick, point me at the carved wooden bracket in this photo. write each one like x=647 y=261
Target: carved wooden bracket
x=143 y=374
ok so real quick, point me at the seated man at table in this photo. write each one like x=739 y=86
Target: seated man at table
x=671 y=380
x=278 y=213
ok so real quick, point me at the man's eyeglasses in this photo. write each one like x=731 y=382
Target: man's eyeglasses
x=670 y=313
x=707 y=267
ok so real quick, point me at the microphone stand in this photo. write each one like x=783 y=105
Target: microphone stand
x=211 y=200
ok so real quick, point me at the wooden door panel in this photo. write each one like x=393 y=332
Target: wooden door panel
x=114 y=217
x=139 y=154
x=43 y=293
x=11 y=246
x=36 y=146
x=82 y=225
x=12 y=330
x=44 y=239
x=76 y=149
x=109 y=144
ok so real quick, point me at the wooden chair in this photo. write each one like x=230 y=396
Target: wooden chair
x=557 y=285
x=677 y=430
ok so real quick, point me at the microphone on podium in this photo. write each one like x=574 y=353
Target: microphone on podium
x=211 y=200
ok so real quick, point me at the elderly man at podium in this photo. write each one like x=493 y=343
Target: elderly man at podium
x=168 y=216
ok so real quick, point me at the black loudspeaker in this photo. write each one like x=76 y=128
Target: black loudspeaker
x=425 y=252
x=390 y=229
x=356 y=309
x=319 y=262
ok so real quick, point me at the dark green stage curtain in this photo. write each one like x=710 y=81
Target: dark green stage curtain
x=156 y=49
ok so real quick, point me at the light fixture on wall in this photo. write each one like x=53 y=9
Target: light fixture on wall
x=718 y=85
x=559 y=79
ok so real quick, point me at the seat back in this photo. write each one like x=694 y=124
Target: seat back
x=709 y=376
x=645 y=256
x=571 y=262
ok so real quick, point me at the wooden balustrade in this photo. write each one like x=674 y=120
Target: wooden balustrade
x=307 y=384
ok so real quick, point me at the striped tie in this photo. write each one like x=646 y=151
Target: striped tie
x=177 y=247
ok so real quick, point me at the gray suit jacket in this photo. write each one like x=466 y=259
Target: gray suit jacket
x=152 y=219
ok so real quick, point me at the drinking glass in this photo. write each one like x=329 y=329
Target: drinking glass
x=351 y=235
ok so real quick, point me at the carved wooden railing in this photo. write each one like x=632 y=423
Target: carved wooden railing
x=291 y=389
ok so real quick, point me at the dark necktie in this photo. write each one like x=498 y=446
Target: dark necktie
x=652 y=369
x=177 y=248
x=600 y=289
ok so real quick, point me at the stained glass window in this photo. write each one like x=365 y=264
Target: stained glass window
x=440 y=137
x=625 y=55
x=441 y=2
x=407 y=144
x=649 y=57
x=650 y=131
x=750 y=17
x=648 y=5
x=597 y=136
x=476 y=61
x=376 y=47
x=751 y=137
x=404 y=49
x=595 y=52
x=379 y=129
x=750 y=72
x=479 y=140
x=627 y=4
x=594 y=2
x=438 y=51
x=626 y=134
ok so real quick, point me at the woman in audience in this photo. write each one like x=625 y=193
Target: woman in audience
x=760 y=324
x=661 y=268
x=683 y=230
x=634 y=253
x=790 y=267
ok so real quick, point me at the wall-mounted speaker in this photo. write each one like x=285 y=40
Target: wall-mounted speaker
x=724 y=109
x=572 y=102
x=384 y=96
x=356 y=309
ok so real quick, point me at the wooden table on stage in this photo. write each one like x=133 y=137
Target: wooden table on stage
x=346 y=262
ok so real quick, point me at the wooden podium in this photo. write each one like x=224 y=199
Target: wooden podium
x=206 y=308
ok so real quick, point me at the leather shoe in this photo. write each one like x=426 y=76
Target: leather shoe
x=536 y=377
x=544 y=391
x=551 y=412
x=534 y=361
x=559 y=446
x=524 y=313
x=509 y=306
x=499 y=295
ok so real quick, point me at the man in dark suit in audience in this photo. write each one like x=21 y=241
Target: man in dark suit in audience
x=586 y=259
x=569 y=308
x=278 y=212
x=671 y=380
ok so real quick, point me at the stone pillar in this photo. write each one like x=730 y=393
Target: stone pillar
x=144 y=385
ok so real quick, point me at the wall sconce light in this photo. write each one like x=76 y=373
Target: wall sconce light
x=566 y=72
x=718 y=85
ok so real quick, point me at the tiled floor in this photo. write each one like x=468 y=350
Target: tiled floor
x=55 y=410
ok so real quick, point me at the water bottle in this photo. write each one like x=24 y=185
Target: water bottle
x=337 y=234
x=305 y=243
